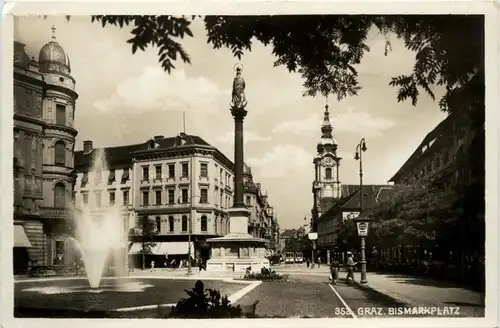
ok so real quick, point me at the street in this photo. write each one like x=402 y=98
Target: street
x=311 y=295
x=308 y=293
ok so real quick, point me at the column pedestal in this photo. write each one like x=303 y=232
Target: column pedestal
x=238 y=250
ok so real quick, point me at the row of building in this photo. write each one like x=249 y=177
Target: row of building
x=182 y=182
x=440 y=156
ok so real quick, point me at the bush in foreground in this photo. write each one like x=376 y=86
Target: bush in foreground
x=264 y=275
x=205 y=303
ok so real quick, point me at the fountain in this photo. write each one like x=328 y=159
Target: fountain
x=99 y=230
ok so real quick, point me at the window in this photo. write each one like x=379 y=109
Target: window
x=158 y=197
x=221 y=200
x=249 y=200
x=85 y=198
x=60 y=153
x=221 y=175
x=60 y=114
x=204 y=223
x=111 y=198
x=59 y=195
x=204 y=196
x=145 y=198
x=204 y=170
x=59 y=248
x=185 y=170
x=145 y=173
x=111 y=177
x=98 y=176
x=125 y=175
x=171 y=171
x=171 y=196
x=328 y=173
x=158 y=172
x=85 y=179
x=158 y=223
x=171 y=223
x=184 y=223
x=98 y=202
x=125 y=197
x=184 y=196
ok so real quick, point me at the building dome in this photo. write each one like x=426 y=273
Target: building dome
x=52 y=58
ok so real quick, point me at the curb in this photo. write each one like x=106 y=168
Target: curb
x=398 y=298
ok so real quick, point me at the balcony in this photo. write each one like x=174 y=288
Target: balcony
x=57 y=213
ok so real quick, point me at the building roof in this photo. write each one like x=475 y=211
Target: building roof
x=351 y=198
x=121 y=156
x=436 y=136
x=288 y=233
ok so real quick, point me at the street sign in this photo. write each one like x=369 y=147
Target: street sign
x=362 y=229
x=313 y=235
x=349 y=215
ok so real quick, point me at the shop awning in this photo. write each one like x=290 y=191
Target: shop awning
x=170 y=248
x=20 y=237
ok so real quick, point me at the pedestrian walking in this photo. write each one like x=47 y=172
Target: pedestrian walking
x=308 y=263
x=350 y=268
x=334 y=270
x=152 y=266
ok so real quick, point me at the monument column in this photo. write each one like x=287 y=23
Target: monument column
x=238 y=250
x=238 y=115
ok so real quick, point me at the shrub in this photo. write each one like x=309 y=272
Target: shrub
x=264 y=275
x=205 y=303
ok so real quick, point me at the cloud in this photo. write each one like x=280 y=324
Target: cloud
x=248 y=137
x=282 y=160
x=155 y=89
x=350 y=121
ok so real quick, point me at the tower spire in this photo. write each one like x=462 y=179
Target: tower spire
x=326 y=128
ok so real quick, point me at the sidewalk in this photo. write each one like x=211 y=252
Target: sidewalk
x=418 y=291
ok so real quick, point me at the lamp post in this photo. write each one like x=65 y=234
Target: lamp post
x=190 y=222
x=361 y=222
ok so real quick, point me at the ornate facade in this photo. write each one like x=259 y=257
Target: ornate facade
x=181 y=182
x=44 y=140
x=263 y=222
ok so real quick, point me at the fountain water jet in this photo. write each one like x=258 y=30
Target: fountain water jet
x=99 y=229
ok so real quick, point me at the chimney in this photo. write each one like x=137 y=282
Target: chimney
x=87 y=146
x=158 y=137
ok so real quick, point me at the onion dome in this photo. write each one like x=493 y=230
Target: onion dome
x=52 y=58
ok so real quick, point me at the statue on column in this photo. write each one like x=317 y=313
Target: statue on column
x=238 y=95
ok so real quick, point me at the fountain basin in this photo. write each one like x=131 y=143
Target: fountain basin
x=67 y=298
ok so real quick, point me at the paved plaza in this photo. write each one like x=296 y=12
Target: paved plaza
x=306 y=293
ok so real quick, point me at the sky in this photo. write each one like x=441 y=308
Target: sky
x=127 y=98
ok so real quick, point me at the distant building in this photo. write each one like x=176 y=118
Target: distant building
x=44 y=140
x=262 y=222
x=347 y=208
x=182 y=182
x=286 y=235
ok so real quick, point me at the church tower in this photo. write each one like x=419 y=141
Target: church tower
x=326 y=185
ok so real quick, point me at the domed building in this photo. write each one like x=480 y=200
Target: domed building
x=44 y=140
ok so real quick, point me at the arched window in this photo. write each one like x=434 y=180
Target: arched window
x=328 y=173
x=60 y=153
x=204 y=223
x=158 y=223
x=184 y=223
x=171 y=223
x=59 y=195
